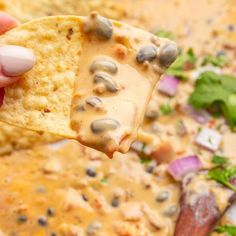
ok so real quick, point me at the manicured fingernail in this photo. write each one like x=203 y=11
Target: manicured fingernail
x=2 y=92
x=16 y=60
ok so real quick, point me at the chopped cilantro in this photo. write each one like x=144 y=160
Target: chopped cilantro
x=212 y=89
x=183 y=62
x=143 y=147
x=165 y=34
x=219 y=160
x=230 y=230
x=145 y=160
x=199 y=129
x=166 y=109
x=223 y=176
x=218 y=61
x=104 y=180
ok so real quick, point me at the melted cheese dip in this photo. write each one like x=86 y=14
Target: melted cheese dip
x=119 y=68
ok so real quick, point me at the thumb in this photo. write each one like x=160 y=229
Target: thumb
x=14 y=61
x=7 y=22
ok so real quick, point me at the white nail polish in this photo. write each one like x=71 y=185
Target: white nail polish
x=16 y=60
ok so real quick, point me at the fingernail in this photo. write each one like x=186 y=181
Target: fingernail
x=16 y=60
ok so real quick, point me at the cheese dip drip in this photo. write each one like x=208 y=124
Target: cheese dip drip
x=119 y=68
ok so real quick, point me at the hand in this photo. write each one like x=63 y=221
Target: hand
x=14 y=60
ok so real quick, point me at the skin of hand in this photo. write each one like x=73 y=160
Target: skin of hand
x=14 y=60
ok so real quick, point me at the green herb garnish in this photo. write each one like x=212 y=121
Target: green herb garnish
x=230 y=230
x=212 y=89
x=166 y=109
x=219 y=160
x=165 y=34
x=182 y=63
x=223 y=176
x=104 y=180
x=218 y=61
x=145 y=160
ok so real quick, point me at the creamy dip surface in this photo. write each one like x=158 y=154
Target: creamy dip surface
x=119 y=68
x=69 y=190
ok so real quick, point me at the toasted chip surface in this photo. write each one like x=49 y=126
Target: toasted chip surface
x=41 y=100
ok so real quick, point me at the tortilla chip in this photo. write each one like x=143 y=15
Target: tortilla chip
x=41 y=100
x=25 y=10
x=13 y=138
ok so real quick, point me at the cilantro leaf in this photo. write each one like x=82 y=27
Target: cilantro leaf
x=104 y=180
x=223 y=176
x=182 y=63
x=165 y=34
x=212 y=89
x=145 y=160
x=178 y=73
x=218 y=61
x=219 y=160
x=165 y=109
x=229 y=229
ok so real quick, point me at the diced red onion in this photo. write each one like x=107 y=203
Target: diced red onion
x=180 y=167
x=231 y=214
x=168 y=85
x=2 y=92
x=201 y=116
x=209 y=139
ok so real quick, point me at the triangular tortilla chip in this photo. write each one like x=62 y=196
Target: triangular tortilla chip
x=25 y=10
x=55 y=93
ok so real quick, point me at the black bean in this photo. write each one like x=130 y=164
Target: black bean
x=22 y=218
x=42 y=220
x=103 y=28
x=99 y=25
x=231 y=28
x=93 y=228
x=162 y=196
x=94 y=101
x=80 y=108
x=107 y=80
x=51 y=211
x=150 y=169
x=171 y=211
x=115 y=202
x=221 y=53
x=91 y=172
x=84 y=197
x=103 y=64
x=104 y=124
x=168 y=54
x=147 y=53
